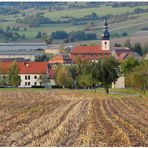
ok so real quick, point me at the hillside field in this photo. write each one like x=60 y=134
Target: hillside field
x=132 y=25
x=72 y=118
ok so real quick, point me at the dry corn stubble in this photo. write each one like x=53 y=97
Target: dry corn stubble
x=71 y=118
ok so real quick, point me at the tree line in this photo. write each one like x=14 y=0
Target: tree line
x=136 y=74
x=104 y=73
x=66 y=37
x=86 y=74
x=11 y=35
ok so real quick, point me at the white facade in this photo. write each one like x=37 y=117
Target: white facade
x=120 y=83
x=105 y=44
x=29 y=80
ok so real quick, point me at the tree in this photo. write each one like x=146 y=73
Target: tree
x=13 y=76
x=3 y=77
x=128 y=65
x=145 y=48
x=117 y=45
x=74 y=74
x=106 y=72
x=39 y=35
x=137 y=48
x=138 y=77
x=85 y=77
x=63 y=76
x=8 y=28
x=128 y=44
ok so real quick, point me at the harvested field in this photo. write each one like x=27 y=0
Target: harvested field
x=72 y=118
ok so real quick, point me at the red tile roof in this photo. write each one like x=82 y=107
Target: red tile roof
x=89 y=49
x=27 y=67
x=60 y=59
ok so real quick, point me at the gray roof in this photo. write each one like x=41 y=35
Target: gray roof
x=21 y=52
x=22 y=46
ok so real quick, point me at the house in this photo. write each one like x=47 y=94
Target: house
x=52 y=49
x=61 y=59
x=122 y=53
x=31 y=73
x=92 y=53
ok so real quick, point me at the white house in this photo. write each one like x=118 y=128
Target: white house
x=31 y=73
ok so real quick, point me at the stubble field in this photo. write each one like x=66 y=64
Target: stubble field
x=72 y=118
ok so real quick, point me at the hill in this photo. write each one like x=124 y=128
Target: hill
x=25 y=20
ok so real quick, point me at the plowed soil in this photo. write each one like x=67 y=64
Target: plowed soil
x=72 y=118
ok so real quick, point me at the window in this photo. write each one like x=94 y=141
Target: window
x=35 y=83
x=35 y=77
x=28 y=77
x=40 y=83
x=105 y=43
x=25 y=77
x=28 y=83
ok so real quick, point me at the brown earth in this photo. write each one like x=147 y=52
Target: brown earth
x=72 y=118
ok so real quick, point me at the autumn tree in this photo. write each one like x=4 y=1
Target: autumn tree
x=63 y=76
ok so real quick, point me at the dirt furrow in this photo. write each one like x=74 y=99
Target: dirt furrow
x=135 y=135
x=41 y=133
x=128 y=114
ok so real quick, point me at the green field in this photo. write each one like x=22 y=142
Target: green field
x=101 y=11
x=131 y=25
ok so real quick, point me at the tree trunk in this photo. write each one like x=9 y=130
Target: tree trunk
x=107 y=90
x=144 y=89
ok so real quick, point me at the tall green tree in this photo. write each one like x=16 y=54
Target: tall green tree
x=13 y=76
x=138 y=77
x=106 y=72
x=128 y=65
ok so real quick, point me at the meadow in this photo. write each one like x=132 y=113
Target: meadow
x=72 y=118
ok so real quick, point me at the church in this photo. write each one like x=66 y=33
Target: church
x=104 y=50
x=93 y=53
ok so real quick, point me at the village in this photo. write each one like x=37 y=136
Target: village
x=33 y=73
x=73 y=74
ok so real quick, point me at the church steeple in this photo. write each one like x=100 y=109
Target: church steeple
x=105 y=36
x=106 y=33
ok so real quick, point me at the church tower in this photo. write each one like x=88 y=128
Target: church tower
x=105 y=40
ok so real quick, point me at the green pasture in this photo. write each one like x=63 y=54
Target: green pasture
x=100 y=11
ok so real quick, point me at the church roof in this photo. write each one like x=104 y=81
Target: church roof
x=89 y=49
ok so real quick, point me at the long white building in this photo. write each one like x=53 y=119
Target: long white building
x=31 y=73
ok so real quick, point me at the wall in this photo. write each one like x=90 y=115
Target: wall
x=120 y=83
x=32 y=80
